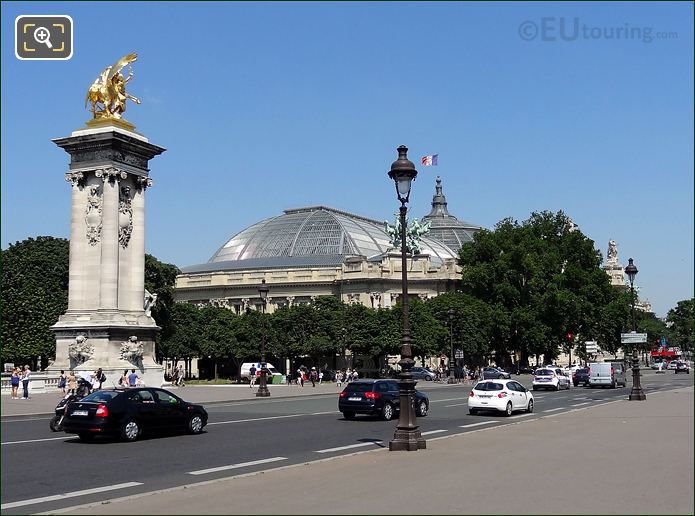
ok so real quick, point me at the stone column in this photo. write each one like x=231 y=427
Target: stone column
x=108 y=298
x=76 y=274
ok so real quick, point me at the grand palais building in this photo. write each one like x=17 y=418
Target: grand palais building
x=316 y=251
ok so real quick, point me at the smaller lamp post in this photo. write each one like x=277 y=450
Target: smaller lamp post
x=452 y=360
x=636 y=393
x=263 y=390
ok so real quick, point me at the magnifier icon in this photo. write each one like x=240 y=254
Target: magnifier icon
x=42 y=35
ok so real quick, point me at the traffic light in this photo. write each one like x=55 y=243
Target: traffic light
x=570 y=336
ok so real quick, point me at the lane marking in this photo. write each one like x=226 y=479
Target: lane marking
x=429 y=432
x=350 y=446
x=236 y=466
x=456 y=405
x=68 y=495
x=580 y=404
x=39 y=440
x=27 y=419
x=478 y=424
x=522 y=415
x=449 y=399
x=553 y=409
x=579 y=399
x=271 y=417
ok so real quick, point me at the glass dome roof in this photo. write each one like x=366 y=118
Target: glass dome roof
x=444 y=227
x=309 y=236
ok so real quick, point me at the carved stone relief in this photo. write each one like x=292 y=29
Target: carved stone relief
x=93 y=214
x=125 y=217
x=80 y=350
x=132 y=351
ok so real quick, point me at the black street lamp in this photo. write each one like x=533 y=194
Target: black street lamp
x=636 y=393
x=452 y=360
x=263 y=390
x=407 y=436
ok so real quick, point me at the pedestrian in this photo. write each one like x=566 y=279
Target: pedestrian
x=180 y=374
x=62 y=381
x=133 y=378
x=72 y=382
x=338 y=378
x=100 y=377
x=15 y=383
x=123 y=381
x=252 y=376
x=288 y=378
x=355 y=375
x=348 y=375
x=320 y=377
x=25 y=382
x=313 y=376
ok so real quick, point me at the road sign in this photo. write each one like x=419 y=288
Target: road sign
x=633 y=338
x=458 y=353
x=591 y=346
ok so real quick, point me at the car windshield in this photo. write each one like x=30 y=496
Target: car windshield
x=101 y=396
x=544 y=372
x=489 y=386
x=359 y=387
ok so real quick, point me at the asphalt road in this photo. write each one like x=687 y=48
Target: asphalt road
x=42 y=470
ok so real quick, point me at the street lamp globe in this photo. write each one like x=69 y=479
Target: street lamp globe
x=263 y=291
x=403 y=173
x=631 y=270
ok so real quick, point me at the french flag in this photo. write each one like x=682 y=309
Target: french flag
x=429 y=161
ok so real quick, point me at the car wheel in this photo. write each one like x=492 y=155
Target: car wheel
x=195 y=424
x=86 y=437
x=428 y=378
x=130 y=430
x=472 y=411
x=557 y=387
x=613 y=384
x=53 y=424
x=422 y=408
x=508 y=411
x=535 y=388
x=387 y=412
x=575 y=384
x=529 y=407
x=349 y=415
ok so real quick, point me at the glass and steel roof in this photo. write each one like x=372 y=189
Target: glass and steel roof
x=307 y=237
x=444 y=227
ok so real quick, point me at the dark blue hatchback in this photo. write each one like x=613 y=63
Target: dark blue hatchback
x=377 y=398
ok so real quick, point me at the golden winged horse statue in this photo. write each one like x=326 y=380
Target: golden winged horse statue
x=107 y=93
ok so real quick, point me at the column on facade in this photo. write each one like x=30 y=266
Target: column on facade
x=109 y=240
x=131 y=247
x=76 y=276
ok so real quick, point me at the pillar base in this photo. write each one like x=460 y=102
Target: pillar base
x=263 y=392
x=637 y=394
x=407 y=440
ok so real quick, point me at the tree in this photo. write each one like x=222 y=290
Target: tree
x=681 y=324
x=34 y=295
x=160 y=279
x=184 y=338
x=218 y=340
x=540 y=280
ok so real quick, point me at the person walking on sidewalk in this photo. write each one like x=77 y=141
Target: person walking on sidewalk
x=25 y=382
x=72 y=382
x=133 y=378
x=313 y=376
x=15 y=383
x=252 y=376
x=99 y=377
x=62 y=381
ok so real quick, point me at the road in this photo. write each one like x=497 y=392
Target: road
x=39 y=468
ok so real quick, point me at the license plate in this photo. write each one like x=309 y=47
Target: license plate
x=484 y=402
x=486 y=396
x=354 y=399
x=79 y=413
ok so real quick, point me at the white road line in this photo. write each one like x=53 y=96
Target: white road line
x=350 y=446
x=522 y=415
x=429 y=432
x=478 y=424
x=39 y=440
x=580 y=404
x=68 y=495
x=449 y=399
x=456 y=405
x=27 y=419
x=271 y=417
x=236 y=466
x=553 y=409
x=579 y=399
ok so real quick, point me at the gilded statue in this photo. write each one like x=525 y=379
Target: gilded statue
x=107 y=93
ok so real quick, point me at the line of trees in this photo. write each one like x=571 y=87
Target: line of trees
x=524 y=287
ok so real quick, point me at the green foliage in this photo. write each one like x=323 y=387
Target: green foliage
x=160 y=279
x=681 y=323
x=34 y=295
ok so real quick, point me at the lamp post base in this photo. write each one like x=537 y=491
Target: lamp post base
x=263 y=392
x=407 y=440
x=637 y=394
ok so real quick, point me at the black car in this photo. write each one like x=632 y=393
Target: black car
x=378 y=398
x=495 y=373
x=127 y=413
x=525 y=370
x=581 y=376
x=682 y=367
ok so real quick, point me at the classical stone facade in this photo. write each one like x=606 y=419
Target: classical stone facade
x=109 y=176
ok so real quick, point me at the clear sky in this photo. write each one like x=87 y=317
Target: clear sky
x=269 y=106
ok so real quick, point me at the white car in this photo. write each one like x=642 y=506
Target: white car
x=672 y=365
x=547 y=378
x=500 y=395
x=246 y=370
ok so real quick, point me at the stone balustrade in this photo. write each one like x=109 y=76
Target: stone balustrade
x=38 y=382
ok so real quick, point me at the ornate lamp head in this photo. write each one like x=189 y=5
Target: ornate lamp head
x=403 y=173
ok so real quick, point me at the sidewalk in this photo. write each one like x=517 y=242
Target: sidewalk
x=619 y=458
x=45 y=403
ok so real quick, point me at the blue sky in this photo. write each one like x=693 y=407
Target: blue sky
x=269 y=106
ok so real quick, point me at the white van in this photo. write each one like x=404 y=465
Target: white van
x=609 y=374
x=246 y=368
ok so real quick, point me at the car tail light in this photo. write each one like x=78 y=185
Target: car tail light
x=102 y=411
x=471 y=394
x=343 y=394
x=502 y=395
x=372 y=395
